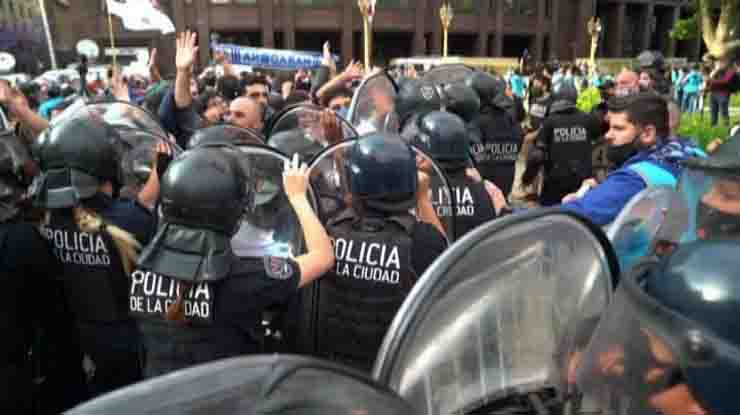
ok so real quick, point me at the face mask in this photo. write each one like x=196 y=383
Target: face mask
x=343 y=112
x=620 y=154
x=711 y=223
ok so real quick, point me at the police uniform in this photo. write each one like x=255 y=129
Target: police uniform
x=190 y=268
x=378 y=260
x=444 y=136
x=501 y=137
x=222 y=316
x=380 y=249
x=472 y=207
x=567 y=135
x=95 y=284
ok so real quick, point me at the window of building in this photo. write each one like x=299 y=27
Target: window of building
x=520 y=7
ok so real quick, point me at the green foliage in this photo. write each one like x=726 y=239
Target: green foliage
x=698 y=128
x=685 y=29
x=588 y=99
x=735 y=101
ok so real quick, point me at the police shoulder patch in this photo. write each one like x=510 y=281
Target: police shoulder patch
x=278 y=268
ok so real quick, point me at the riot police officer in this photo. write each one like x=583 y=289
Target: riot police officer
x=566 y=139
x=501 y=136
x=669 y=341
x=195 y=301
x=96 y=238
x=381 y=248
x=32 y=304
x=710 y=187
x=443 y=136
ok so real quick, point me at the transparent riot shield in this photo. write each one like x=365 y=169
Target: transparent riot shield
x=329 y=181
x=307 y=129
x=123 y=115
x=225 y=134
x=447 y=74
x=271 y=228
x=373 y=105
x=138 y=156
x=643 y=224
x=256 y=385
x=496 y=324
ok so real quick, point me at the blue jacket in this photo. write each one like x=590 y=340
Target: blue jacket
x=660 y=165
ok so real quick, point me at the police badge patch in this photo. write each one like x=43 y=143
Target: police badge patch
x=278 y=268
x=427 y=92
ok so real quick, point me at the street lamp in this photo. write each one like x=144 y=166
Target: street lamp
x=446 y=14
x=594 y=30
x=367 y=8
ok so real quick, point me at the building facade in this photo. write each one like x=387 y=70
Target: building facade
x=545 y=28
x=22 y=33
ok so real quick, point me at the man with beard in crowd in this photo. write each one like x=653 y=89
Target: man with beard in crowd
x=644 y=156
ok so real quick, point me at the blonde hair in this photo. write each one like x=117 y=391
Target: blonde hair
x=128 y=247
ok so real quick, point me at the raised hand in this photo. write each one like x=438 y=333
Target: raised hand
x=187 y=52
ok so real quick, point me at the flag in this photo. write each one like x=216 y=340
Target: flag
x=138 y=15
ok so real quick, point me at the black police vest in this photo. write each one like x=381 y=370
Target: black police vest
x=201 y=338
x=360 y=296
x=570 y=147
x=496 y=156
x=472 y=203
x=95 y=283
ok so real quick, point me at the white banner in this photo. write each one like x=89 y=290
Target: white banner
x=140 y=15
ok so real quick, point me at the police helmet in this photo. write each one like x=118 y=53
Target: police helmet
x=443 y=136
x=486 y=86
x=203 y=196
x=565 y=99
x=462 y=101
x=224 y=134
x=416 y=96
x=381 y=167
x=14 y=157
x=75 y=157
x=673 y=328
x=651 y=59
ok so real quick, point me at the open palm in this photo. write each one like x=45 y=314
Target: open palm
x=186 y=51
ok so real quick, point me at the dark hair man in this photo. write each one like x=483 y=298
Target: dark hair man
x=641 y=153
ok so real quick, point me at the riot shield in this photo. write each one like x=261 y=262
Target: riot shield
x=307 y=129
x=373 y=105
x=225 y=134
x=643 y=222
x=447 y=74
x=496 y=323
x=259 y=385
x=138 y=156
x=123 y=115
x=329 y=181
x=271 y=228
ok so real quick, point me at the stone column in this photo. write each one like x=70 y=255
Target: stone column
x=554 y=29
x=484 y=18
x=647 y=26
x=436 y=47
x=203 y=26
x=267 y=24
x=289 y=24
x=420 y=44
x=498 y=40
x=348 y=29
x=617 y=43
x=539 y=41
x=672 y=43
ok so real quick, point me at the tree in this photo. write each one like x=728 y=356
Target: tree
x=717 y=23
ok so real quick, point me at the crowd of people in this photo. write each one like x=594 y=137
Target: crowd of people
x=136 y=252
